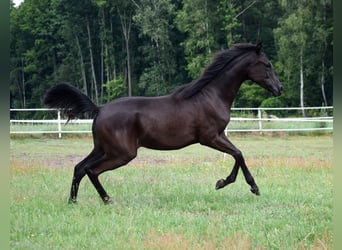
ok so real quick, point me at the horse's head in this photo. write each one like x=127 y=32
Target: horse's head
x=261 y=72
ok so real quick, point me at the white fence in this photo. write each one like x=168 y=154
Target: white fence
x=256 y=120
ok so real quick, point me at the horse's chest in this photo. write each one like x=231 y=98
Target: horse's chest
x=214 y=124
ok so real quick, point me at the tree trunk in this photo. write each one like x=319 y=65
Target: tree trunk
x=207 y=27
x=92 y=63
x=114 y=67
x=84 y=78
x=302 y=83
x=107 y=63
x=102 y=70
x=126 y=29
x=322 y=84
x=23 y=82
x=103 y=49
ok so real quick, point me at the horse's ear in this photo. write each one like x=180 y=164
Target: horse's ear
x=258 y=48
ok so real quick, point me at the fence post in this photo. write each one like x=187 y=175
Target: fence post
x=59 y=123
x=260 y=121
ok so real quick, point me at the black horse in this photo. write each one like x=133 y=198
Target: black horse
x=197 y=112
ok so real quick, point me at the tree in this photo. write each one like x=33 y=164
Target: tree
x=151 y=46
x=301 y=42
x=196 y=19
x=126 y=23
x=294 y=44
x=35 y=49
x=153 y=17
x=230 y=21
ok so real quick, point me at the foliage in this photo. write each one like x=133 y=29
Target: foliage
x=304 y=32
x=114 y=89
x=271 y=103
x=153 y=17
x=157 y=45
x=230 y=21
x=250 y=95
x=196 y=19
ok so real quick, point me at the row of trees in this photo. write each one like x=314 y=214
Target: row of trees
x=114 y=48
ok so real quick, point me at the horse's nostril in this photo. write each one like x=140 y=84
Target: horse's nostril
x=281 y=88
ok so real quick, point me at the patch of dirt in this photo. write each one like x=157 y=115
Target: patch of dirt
x=55 y=161
x=43 y=160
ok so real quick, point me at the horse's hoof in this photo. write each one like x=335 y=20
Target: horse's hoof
x=220 y=184
x=72 y=201
x=108 y=201
x=255 y=190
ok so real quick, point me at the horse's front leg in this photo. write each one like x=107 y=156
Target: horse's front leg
x=222 y=143
x=230 y=179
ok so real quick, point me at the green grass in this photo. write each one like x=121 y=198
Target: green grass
x=167 y=200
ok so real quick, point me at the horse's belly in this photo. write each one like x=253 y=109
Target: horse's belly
x=159 y=145
x=166 y=140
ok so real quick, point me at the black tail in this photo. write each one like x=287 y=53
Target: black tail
x=70 y=100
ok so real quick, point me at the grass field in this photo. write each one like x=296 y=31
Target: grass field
x=167 y=200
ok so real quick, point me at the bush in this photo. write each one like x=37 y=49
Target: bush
x=115 y=89
x=273 y=102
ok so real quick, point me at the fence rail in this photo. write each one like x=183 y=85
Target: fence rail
x=260 y=121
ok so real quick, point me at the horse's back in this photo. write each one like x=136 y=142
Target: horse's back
x=133 y=106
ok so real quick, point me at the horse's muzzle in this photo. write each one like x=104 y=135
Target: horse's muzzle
x=277 y=90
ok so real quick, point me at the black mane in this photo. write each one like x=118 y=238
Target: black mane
x=219 y=62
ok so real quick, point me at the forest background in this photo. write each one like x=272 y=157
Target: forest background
x=115 y=48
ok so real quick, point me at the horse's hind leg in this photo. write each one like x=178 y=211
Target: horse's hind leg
x=108 y=163
x=79 y=173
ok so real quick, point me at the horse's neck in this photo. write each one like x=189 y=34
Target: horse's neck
x=225 y=89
